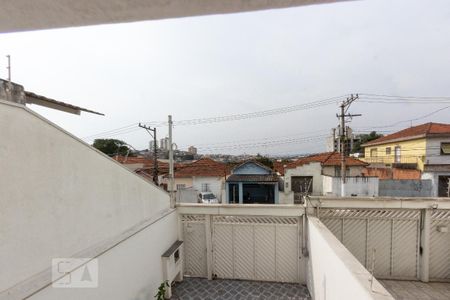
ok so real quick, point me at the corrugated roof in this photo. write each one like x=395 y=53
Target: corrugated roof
x=33 y=98
x=415 y=132
x=326 y=159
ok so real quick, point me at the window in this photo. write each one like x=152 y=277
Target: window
x=397 y=153
x=388 y=150
x=205 y=187
x=181 y=186
x=445 y=148
x=373 y=152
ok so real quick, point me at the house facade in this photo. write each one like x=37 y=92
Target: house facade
x=425 y=148
x=252 y=182
x=203 y=175
x=306 y=175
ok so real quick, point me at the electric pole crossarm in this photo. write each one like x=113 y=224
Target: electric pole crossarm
x=345 y=105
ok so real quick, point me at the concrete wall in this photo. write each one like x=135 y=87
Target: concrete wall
x=433 y=155
x=61 y=197
x=313 y=169
x=333 y=272
x=406 y=188
x=187 y=181
x=188 y=195
x=216 y=184
x=354 y=186
x=433 y=177
x=351 y=171
x=131 y=270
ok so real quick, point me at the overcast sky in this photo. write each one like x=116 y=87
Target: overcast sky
x=239 y=63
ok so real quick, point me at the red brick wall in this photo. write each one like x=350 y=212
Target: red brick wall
x=392 y=173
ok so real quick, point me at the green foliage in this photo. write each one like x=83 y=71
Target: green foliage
x=364 y=139
x=264 y=160
x=111 y=147
x=162 y=290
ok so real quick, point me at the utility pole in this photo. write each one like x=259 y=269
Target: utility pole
x=152 y=132
x=171 y=176
x=9 y=94
x=345 y=105
x=9 y=68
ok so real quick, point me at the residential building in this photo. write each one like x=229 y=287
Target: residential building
x=334 y=140
x=151 y=145
x=252 y=182
x=305 y=175
x=164 y=144
x=425 y=147
x=192 y=150
x=203 y=175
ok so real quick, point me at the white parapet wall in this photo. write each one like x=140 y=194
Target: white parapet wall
x=359 y=186
x=61 y=198
x=333 y=272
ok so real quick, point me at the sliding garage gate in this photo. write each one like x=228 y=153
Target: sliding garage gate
x=245 y=247
x=440 y=245
x=194 y=234
x=393 y=234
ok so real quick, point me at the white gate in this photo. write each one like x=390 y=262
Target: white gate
x=257 y=248
x=440 y=245
x=194 y=245
x=394 y=234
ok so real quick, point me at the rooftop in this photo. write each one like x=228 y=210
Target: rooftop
x=206 y=167
x=326 y=159
x=415 y=132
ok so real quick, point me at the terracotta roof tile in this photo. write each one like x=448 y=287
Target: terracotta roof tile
x=326 y=159
x=424 y=130
x=278 y=166
x=203 y=167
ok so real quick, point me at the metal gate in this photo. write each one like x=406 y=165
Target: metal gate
x=194 y=245
x=394 y=234
x=257 y=248
x=440 y=245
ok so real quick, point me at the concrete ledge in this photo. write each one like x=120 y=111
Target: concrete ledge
x=334 y=272
x=283 y=210
x=379 y=202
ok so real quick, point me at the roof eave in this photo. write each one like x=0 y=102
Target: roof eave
x=409 y=138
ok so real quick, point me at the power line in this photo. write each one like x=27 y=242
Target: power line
x=234 y=117
x=409 y=120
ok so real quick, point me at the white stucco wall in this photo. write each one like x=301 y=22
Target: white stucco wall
x=333 y=272
x=131 y=270
x=351 y=171
x=216 y=184
x=359 y=186
x=313 y=169
x=59 y=197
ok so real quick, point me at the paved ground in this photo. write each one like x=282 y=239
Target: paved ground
x=416 y=290
x=199 y=289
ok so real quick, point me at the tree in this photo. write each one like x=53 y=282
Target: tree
x=112 y=147
x=364 y=138
x=264 y=160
